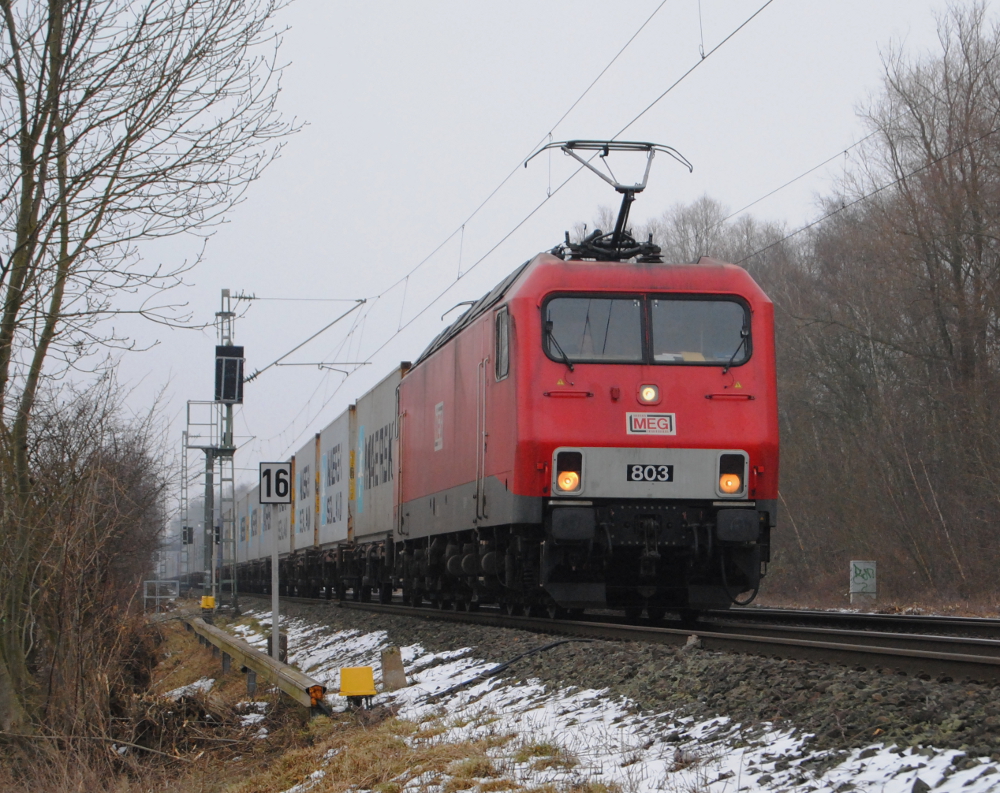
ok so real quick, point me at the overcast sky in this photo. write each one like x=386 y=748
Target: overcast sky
x=416 y=112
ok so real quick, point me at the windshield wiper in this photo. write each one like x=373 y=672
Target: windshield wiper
x=552 y=337
x=744 y=335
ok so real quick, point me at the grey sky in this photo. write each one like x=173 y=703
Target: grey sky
x=417 y=111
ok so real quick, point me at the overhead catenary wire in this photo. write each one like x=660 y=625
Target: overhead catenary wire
x=276 y=361
x=359 y=322
x=704 y=57
x=871 y=194
x=252 y=297
x=845 y=153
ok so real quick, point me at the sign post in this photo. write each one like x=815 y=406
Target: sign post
x=275 y=488
x=863 y=582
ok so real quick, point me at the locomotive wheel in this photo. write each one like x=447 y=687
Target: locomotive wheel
x=576 y=613
x=537 y=610
x=366 y=594
x=655 y=613
x=633 y=612
x=474 y=605
x=385 y=594
x=556 y=612
x=461 y=605
x=443 y=605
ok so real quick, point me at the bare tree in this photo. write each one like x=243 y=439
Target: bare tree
x=937 y=142
x=122 y=122
x=890 y=373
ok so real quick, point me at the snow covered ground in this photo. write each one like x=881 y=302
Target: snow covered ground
x=571 y=736
x=202 y=686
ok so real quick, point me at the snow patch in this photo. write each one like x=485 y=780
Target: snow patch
x=307 y=784
x=202 y=686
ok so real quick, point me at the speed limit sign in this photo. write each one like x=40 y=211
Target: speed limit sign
x=275 y=483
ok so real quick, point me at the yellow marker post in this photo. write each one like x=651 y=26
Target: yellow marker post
x=357 y=683
x=207 y=608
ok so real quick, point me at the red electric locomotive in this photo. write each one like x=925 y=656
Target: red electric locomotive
x=599 y=431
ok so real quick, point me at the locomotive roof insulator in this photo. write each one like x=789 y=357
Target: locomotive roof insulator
x=618 y=245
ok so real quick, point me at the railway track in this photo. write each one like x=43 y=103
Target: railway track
x=829 y=637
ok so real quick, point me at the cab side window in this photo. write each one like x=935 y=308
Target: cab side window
x=502 y=346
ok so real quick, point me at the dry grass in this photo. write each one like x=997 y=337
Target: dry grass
x=561 y=761
x=531 y=750
x=377 y=757
x=367 y=750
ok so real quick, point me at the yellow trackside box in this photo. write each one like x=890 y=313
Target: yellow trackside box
x=208 y=602
x=357 y=681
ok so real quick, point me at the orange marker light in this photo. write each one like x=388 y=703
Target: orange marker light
x=568 y=480
x=730 y=483
x=649 y=394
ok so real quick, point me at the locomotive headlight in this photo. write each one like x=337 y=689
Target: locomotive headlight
x=732 y=474
x=730 y=483
x=649 y=394
x=569 y=471
x=568 y=480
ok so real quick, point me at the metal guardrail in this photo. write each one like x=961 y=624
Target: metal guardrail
x=300 y=687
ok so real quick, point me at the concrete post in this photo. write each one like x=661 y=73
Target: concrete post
x=863 y=582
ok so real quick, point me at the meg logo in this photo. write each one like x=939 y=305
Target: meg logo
x=650 y=424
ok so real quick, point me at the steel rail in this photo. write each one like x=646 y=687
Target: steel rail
x=905 y=654
x=984 y=627
x=902 y=641
x=300 y=687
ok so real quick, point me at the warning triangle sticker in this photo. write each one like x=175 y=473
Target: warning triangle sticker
x=561 y=382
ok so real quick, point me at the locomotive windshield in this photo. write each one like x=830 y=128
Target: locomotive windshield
x=699 y=331
x=594 y=329
x=677 y=330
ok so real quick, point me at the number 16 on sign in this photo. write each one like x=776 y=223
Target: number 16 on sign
x=275 y=483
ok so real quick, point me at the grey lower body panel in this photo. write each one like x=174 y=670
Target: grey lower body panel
x=455 y=509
